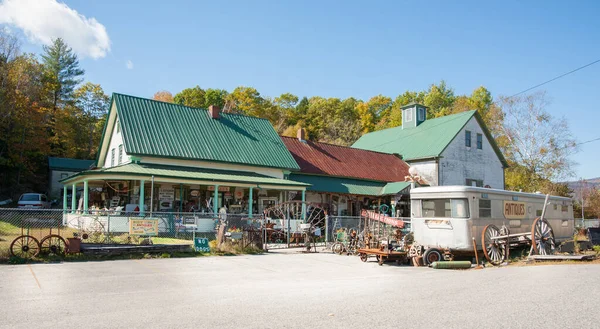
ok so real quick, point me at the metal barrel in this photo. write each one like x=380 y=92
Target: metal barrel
x=463 y=264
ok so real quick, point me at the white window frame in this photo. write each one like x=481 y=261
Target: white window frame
x=408 y=115
x=112 y=157
x=120 y=153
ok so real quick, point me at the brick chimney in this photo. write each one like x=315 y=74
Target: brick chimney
x=214 y=112
x=301 y=134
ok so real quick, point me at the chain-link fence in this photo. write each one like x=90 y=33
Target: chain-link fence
x=116 y=227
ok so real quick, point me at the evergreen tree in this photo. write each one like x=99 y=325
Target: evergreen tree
x=62 y=72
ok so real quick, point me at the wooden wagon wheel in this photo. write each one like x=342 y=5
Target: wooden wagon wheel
x=542 y=237
x=53 y=244
x=493 y=249
x=25 y=246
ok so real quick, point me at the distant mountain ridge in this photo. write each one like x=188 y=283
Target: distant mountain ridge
x=578 y=184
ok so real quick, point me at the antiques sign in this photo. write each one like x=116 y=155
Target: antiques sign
x=143 y=226
x=221 y=188
x=382 y=218
x=514 y=210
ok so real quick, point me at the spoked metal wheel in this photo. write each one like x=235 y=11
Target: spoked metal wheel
x=53 y=244
x=542 y=237
x=363 y=257
x=25 y=246
x=338 y=248
x=493 y=249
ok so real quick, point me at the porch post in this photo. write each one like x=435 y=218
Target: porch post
x=142 y=212
x=303 y=205
x=65 y=198
x=180 y=197
x=73 y=198
x=85 y=196
x=250 y=199
x=215 y=201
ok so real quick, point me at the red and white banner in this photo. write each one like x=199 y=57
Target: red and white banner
x=382 y=218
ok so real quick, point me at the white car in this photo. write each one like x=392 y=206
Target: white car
x=33 y=201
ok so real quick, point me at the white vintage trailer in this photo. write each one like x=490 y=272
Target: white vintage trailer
x=454 y=217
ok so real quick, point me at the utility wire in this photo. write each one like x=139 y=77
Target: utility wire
x=556 y=78
x=591 y=140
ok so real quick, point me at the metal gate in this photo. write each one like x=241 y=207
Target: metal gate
x=294 y=224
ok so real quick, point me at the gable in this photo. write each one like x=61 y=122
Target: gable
x=158 y=129
x=428 y=140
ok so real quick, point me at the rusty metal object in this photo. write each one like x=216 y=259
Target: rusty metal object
x=53 y=244
x=25 y=246
x=542 y=237
x=491 y=245
x=431 y=256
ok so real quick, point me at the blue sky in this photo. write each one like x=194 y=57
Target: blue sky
x=356 y=48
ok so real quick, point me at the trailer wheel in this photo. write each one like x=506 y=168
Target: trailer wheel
x=432 y=255
x=363 y=257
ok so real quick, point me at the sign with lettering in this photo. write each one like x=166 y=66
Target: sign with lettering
x=221 y=188
x=382 y=218
x=514 y=210
x=201 y=244
x=143 y=226
x=189 y=220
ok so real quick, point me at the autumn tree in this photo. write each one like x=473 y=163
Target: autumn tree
x=163 y=96
x=194 y=97
x=215 y=97
x=538 y=145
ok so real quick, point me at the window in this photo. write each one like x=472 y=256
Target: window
x=120 y=153
x=467 y=138
x=564 y=208
x=479 y=141
x=408 y=115
x=474 y=182
x=421 y=114
x=112 y=157
x=485 y=208
x=445 y=208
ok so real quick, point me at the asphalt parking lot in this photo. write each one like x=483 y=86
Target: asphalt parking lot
x=279 y=290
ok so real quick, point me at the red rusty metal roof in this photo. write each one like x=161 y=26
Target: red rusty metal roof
x=334 y=160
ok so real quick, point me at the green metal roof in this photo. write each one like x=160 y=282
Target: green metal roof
x=348 y=185
x=188 y=173
x=159 y=129
x=394 y=188
x=69 y=164
x=338 y=184
x=428 y=140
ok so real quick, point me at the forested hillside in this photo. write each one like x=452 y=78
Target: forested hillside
x=48 y=109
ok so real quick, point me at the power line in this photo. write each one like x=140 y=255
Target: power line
x=556 y=78
x=591 y=140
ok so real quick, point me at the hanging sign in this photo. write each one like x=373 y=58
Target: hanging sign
x=166 y=194
x=143 y=226
x=514 y=210
x=221 y=188
x=382 y=218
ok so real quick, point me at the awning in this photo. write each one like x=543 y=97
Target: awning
x=349 y=185
x=188 y=175
x=395 y=188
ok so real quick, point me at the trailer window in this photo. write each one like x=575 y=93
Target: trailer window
x=445 y=208
x=485 y=208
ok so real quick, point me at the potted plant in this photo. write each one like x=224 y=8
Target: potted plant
x=235 y=233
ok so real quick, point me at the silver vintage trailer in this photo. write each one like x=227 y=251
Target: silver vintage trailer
x=450 y=219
